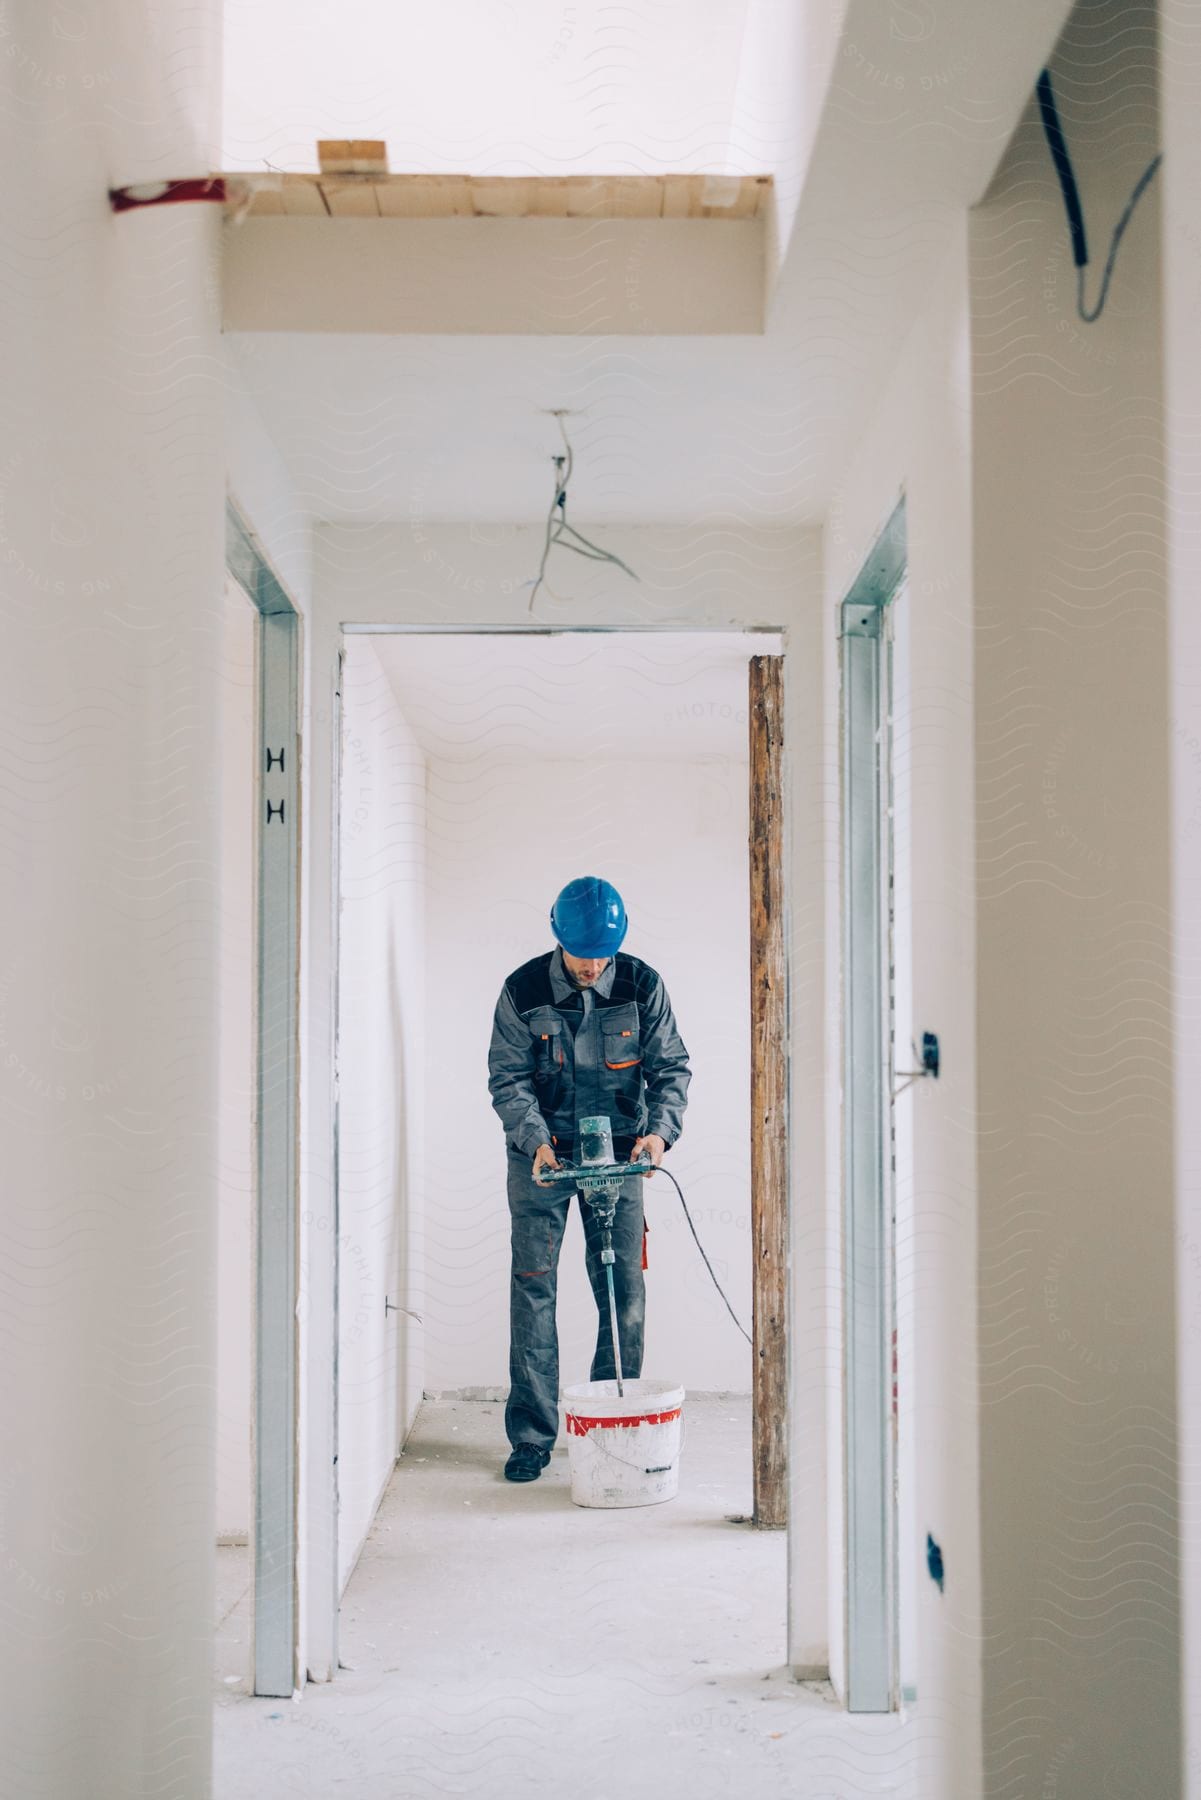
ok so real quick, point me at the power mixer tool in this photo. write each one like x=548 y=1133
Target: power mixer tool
x=597 y=1177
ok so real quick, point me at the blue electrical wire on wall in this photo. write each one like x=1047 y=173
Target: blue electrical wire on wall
x=1057 y=144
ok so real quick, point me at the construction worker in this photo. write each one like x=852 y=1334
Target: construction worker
x=578 y=1031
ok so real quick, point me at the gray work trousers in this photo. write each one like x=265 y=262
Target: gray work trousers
x=539 y=1216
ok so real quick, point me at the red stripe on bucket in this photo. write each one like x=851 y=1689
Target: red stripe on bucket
x=579 y=1426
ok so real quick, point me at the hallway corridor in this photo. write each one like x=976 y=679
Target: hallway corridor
x=502 y=1642
x=743 y=457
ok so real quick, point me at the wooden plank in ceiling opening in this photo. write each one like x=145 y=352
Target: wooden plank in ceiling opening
x=353 y=184
x=352 y=156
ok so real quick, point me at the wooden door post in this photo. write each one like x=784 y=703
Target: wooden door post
x=769 y=1093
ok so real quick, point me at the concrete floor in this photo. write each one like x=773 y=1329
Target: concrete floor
x=505 y=1643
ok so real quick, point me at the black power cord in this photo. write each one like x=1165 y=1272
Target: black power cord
x=1057 y=144
x=565 y=1163
x=692 y=1228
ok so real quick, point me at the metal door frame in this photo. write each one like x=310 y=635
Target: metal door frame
x=338 y=765
x=869 y=1288
x=275 y=1652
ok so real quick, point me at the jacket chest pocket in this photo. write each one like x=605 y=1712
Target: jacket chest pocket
x=622 y=1046
x=547 y=1035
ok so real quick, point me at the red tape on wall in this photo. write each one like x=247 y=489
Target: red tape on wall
x=167 y=193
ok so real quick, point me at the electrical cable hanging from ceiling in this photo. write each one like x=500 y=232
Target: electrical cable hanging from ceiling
x=558 y=531
x=1057 y=144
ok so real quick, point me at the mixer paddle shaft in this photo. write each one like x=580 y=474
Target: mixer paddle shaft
x=613 y=1314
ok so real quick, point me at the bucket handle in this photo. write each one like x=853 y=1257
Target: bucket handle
x=625 y=1461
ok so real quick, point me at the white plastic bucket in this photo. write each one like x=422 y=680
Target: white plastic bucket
x=623 y=1449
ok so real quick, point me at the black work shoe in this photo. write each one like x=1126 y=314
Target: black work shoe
x=526 y=1463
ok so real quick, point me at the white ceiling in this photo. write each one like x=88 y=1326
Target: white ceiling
x=883 y=135
x=448 y=429
x=593 y=697
x=445 y=429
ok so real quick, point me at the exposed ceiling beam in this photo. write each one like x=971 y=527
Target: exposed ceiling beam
x=349 y=187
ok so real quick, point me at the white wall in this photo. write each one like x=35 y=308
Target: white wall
x=236 y=1220
x=259 y=483
x=504 y=838
x=382 y=1062
x=1075 y=1033
x=111 y=576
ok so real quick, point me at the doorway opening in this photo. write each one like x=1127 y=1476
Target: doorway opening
x=480 y=772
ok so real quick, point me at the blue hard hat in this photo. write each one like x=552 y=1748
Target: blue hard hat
x=589 y=917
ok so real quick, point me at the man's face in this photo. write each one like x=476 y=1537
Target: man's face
x=585 y=969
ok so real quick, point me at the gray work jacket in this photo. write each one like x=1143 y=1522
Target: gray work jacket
x=559 y=1053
